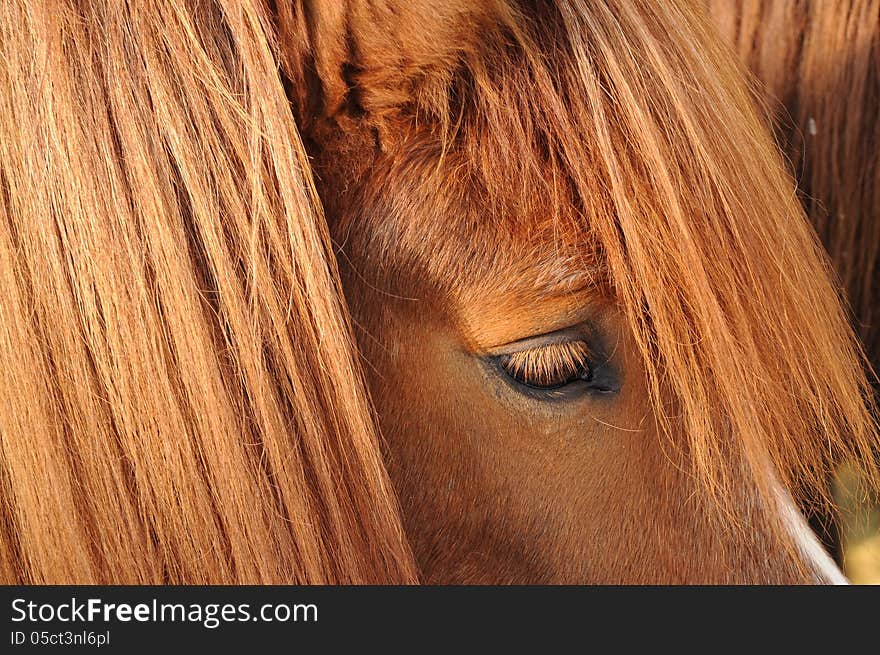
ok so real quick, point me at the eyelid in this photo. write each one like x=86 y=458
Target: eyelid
x=603 y=376
x=567 y=335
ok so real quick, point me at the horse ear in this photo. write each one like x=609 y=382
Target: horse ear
x=373 y=59
x=314 y=54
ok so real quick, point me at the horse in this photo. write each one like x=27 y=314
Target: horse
x=817 y=68
x=506 y=291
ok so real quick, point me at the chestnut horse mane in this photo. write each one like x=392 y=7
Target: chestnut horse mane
x=180 y=399
x=819 y=63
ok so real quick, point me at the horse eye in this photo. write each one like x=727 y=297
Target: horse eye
x=550 y=366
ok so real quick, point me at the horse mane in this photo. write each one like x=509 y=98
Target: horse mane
x=179 y=397
x=819 y=68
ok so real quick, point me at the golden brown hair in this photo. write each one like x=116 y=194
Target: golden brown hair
x=180 y=401
x=818 y=63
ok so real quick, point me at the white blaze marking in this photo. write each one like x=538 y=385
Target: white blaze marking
x=824 y=568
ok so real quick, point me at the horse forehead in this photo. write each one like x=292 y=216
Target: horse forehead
x=498 y=283
x=516 y=255
x=414 y=219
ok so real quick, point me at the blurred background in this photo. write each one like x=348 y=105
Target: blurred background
x=860 y=528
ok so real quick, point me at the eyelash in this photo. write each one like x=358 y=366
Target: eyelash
x=551 y=366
